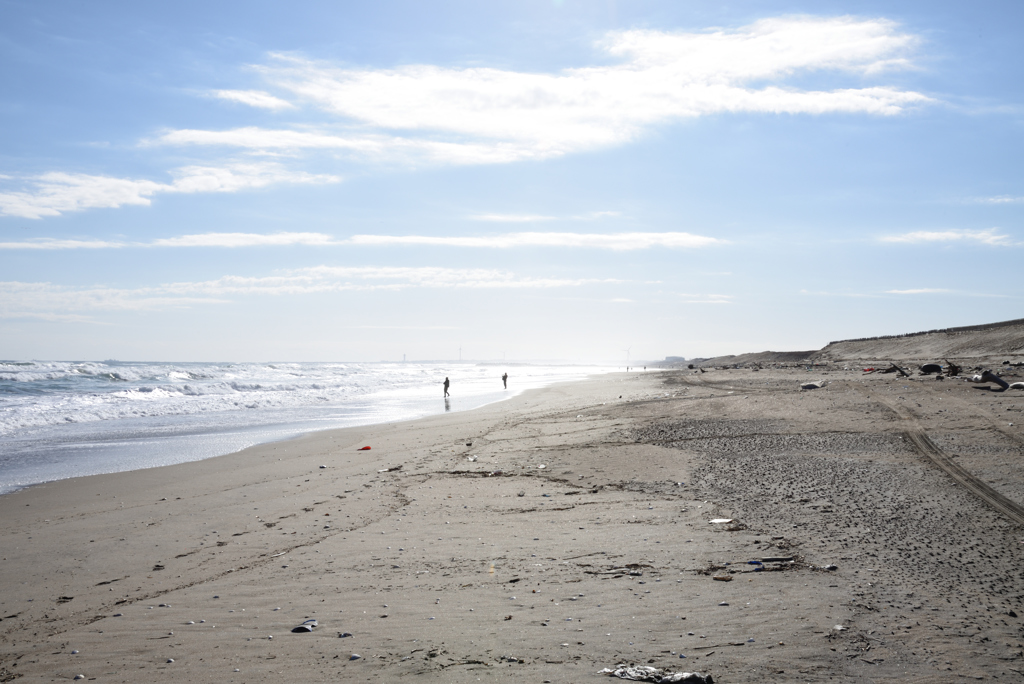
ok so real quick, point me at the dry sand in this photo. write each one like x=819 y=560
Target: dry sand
x=461 y=569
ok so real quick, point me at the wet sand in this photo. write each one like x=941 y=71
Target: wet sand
x=449 y=553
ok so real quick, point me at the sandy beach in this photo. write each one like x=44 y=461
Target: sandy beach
x=875 y=533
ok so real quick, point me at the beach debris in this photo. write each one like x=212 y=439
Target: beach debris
x=839 y=628
x=723 y=603
x=1016 y=385
x=643 y=673
x=989 y=376
x=322 y=467
x=79 y=676
x=722 y=578
x=170 y=660
x=392 y=469
x=365 y=448
x=471 y=459
x=719 y=521
x=306 y=626
x=541 y=466
x=814 y=385
x=355 y=656
x=929 y=368
x=344 y=635
x=893 y=368
x=951 y=368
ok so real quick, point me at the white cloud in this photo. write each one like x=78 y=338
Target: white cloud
x=1002 y=199
x=246 y=240
x=706 y=298
x=52 y=194
x=534 y=218
x=512 y=218
x=432 y=114
x=342 y=278
x=920 y=290
x=198 y=240
x=58 y=302
x=985 y=237
x=53 y=243
x=254 y=98
x=46 y=300
x=486 y=115
x=617 y=241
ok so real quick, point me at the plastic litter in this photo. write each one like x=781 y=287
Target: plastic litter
x=718 y=521
x=813 y=385
x=365 y=448
x=1017 y=385
x=642 y=673
x=306 y=626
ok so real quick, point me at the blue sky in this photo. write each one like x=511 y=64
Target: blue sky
x=524 y=180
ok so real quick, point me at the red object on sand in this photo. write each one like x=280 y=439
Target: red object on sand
x=363 y=449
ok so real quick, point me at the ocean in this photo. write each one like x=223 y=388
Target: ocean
x=67 y=419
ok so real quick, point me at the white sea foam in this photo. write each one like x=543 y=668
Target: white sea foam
x=64 y=419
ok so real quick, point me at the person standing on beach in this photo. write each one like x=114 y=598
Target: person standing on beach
x=504 y=380
x=446 y=383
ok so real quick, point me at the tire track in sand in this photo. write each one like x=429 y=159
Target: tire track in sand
x=926 y=447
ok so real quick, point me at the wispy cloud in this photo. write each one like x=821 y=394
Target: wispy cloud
x=430 y=114
x=706 y=298
x=246 y=240
x=1002 y=199
x=55 y=244
x=229 y=240
x=617 y=241
x=485 y=115
x=920 y=290
x=254 y=98
x=55 y=193
x=985 y=237
x=512 y=218
x=533 y=218
x=46 y=300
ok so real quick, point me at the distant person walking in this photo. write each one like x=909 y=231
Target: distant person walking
x=446 y=383
x=504 y=380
